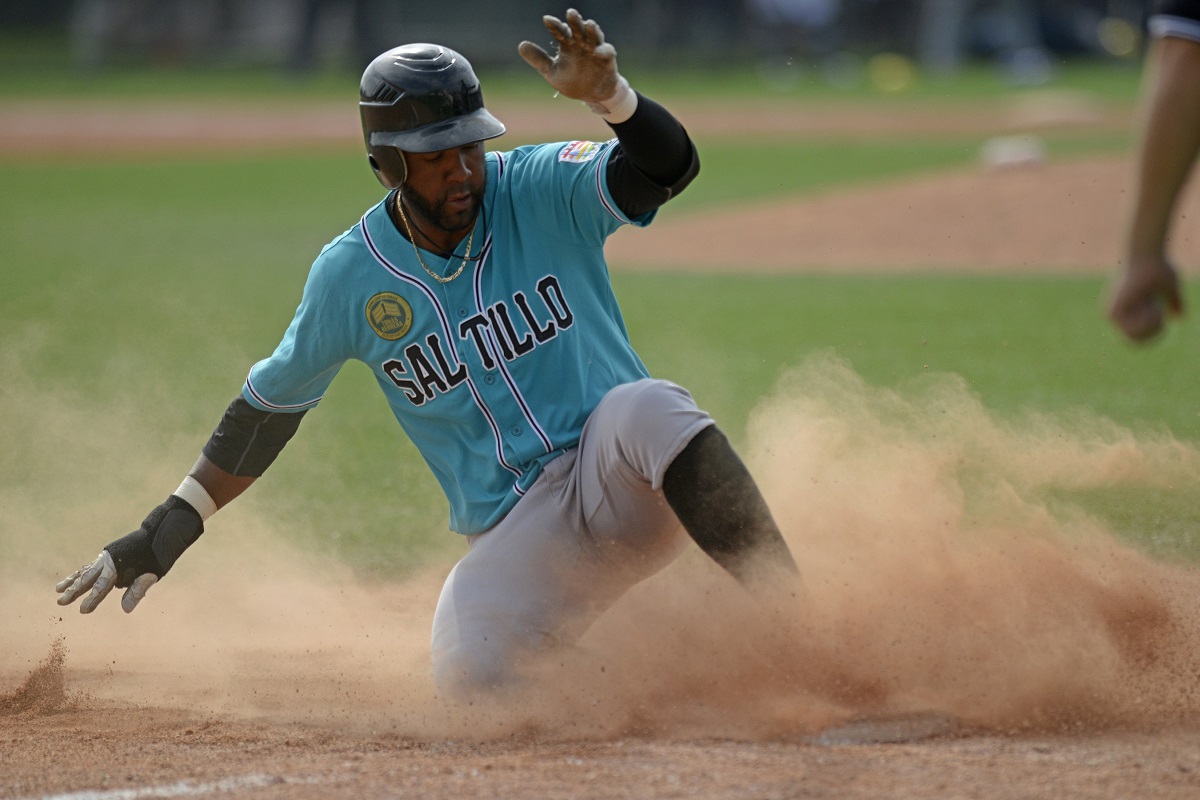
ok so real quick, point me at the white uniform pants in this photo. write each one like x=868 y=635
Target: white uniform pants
x=593 y=524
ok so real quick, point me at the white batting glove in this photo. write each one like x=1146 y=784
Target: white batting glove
x=135 y=562
x=101 y=576
x=584 y=68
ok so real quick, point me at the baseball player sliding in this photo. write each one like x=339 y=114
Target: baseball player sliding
x=478 y=294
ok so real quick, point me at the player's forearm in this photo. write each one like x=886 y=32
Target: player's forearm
x=245 y=442
x=221 y=486
x=1169 y=145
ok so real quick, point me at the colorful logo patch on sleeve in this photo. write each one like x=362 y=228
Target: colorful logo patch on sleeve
x=579 y=152
x=389 y=315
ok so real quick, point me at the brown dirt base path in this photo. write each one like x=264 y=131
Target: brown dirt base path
x=57 y=743
x=318 y=718
x=1055 y=217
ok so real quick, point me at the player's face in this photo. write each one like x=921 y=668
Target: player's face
x=446 y=187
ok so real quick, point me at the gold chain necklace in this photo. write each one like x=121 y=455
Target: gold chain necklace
x=412 y=240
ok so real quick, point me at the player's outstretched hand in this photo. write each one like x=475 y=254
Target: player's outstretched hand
x=1147 y=291
x=101 y=576
x=137 y=561
x=585 y=66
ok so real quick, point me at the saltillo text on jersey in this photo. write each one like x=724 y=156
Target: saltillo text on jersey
x=493 y=374
x=426 y=370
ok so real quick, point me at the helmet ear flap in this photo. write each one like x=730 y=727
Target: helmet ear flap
x=388 y=165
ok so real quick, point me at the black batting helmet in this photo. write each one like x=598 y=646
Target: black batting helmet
x=421 y=98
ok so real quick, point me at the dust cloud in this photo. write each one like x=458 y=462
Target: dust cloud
x=44 y=691
x=937 y=575
x=246 y=624
x=942 y=571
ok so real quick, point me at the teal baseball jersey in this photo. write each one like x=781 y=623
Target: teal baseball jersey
x=493 y=373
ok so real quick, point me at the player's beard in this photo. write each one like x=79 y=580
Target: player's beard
x=442 y=218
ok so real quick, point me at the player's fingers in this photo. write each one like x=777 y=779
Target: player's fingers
x=100 y=590
x=1141 y=322
x=581 y=35
x=1171 y=293
x=592 y=33
x=1174 y=301
x=535 y=56
x=80 y=580
x=103 y=583
x=558 y=29
x=575 y=22
x=137 y=590
x=62 y=586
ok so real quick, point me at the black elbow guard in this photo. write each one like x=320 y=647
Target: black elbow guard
x=248 y=440
x=655 y=161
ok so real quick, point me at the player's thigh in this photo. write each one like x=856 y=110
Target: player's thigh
x=629 y=441
x=529 y=584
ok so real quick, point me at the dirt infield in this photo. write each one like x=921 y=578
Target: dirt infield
x=1056 y=218
x=1068 y=664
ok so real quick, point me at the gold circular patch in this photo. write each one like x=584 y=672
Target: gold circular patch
x=389 y=315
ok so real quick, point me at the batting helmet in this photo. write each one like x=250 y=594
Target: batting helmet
x=421 y=98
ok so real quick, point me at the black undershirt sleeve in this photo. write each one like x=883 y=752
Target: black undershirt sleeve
x=654 y=160
x=248 y=440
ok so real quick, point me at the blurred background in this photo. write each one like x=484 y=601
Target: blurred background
x=170 y=168
x=834 y=39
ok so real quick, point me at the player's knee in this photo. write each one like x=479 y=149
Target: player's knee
x=648 y=395
x=489 y=665
x=462 y=674
x=653 y=420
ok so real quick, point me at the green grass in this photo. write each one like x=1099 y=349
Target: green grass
x=154 y=237
x=1023 y=347
x=140 y=291
x=1020 y=343
x=352 y=484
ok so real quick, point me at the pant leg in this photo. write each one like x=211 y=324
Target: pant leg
x=627 y=444
x=594 y=524
x=511 y=596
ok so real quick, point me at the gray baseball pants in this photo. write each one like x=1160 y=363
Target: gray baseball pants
x=593 y=524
